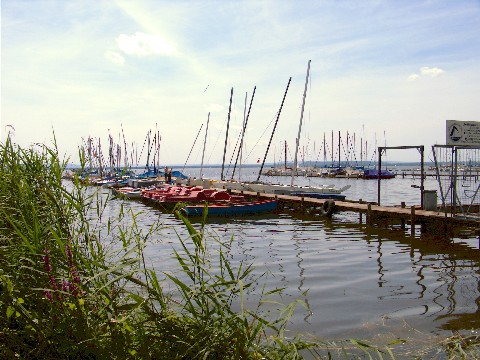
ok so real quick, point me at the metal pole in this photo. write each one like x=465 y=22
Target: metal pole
x=378 y=174
x=274 y=127
x=204 y=145
x=300 y=126
x=422 y=170
x=196 y=137
x=454 y=184
x=226 y=135
x=245 y=122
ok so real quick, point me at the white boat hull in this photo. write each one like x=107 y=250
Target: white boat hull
x=265 y=188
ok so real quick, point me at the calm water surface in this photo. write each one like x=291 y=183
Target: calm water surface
x=363 y=282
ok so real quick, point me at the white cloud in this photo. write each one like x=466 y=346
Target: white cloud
x=142 y=44
x=115 y=57
x=413 y=77
x=433 y=72
x=426 y=71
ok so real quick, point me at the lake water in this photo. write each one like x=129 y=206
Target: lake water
x=363 y=282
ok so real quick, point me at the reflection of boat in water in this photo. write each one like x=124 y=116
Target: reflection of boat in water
x=374 y=174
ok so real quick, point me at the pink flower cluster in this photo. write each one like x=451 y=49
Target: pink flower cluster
x=71 y=286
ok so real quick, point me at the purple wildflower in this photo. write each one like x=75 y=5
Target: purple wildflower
x=65 y=285
x=72 y=288
x=46 y=260
x=53 y=282
x=68 y=252
x=48 y=295
x=73 y=270
x=76 y=277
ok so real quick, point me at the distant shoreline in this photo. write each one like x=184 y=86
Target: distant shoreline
x=270 y=165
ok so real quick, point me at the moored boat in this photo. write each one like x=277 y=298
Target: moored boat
x=171 y=195
x=374 y=174
x=280 y=189
x=129 y=192
x=232 y=208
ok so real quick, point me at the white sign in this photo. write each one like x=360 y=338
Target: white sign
x=463 y=133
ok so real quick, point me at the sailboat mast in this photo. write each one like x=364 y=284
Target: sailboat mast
x=332 y=150
x=190 y=153
x=294 y=170
x=339 y=147
x=241 y=142
x=148 y=153
x=246 y=116
x=226 y=135
x=273 y=131
x=324 y=150
x=204 y=144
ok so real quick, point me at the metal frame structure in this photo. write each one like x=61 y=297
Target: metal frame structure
x=420 y=148
x=455 y=199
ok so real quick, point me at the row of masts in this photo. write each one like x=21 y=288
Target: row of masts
x=120 y=159
x=336 y=154
x=118 y=151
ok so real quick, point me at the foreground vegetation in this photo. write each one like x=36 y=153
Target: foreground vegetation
x=73 y=283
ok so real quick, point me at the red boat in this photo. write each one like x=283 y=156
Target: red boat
x=175 y=194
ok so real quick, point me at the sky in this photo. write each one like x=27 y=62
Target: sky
x=382 y=73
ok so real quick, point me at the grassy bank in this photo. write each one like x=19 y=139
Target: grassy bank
x=73 y=283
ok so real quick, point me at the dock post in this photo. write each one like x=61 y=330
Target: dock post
x=361 y=214
x=258 y=195
x=403 y=220
x=369 y=214
x=302 y=205
x=412 y=221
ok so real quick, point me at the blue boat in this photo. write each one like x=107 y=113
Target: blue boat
x=232 y=208
x=373 y=174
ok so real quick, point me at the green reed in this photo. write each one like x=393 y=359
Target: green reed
x=74 y=284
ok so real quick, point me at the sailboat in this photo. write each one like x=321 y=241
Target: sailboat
x=322 y=191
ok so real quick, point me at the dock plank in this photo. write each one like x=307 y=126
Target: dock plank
x=393 y=212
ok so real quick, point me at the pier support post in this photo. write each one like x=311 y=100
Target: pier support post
x=403 y=220
x=361 y=214
x=369 y=214
x=412 y=221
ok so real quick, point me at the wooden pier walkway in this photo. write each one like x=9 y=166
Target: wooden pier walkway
x=371 y=214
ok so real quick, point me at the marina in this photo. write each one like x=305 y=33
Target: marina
x=429 y=212
x=359 y=278
x=240 y=180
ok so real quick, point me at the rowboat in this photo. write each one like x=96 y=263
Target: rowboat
x=231 y=208
x=129 y=192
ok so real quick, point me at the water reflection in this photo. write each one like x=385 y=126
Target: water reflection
x=357 y=276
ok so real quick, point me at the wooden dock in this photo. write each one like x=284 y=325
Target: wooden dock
x=437 y=222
